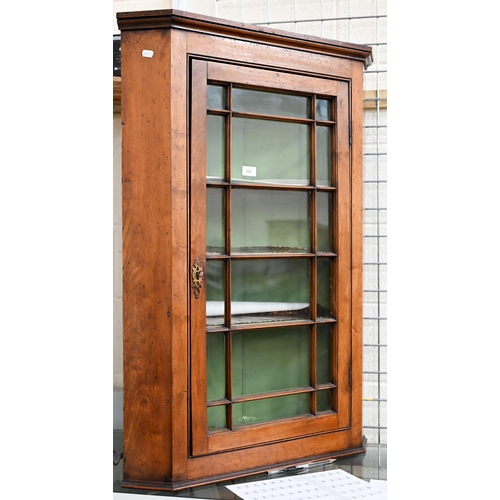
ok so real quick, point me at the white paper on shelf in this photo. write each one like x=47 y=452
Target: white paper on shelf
x=333 y=484
x=216 y=307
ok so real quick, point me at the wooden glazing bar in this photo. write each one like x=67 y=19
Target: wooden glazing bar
x=217 y=329
x=227 y=317
x=274 y=118
x=270 y=324
x=274 y=394
x=229 y=132
x=217 y=402
x=271 y=187
x=218 y=112
x=333 y=152
x=229 y=378
x=217 y=184
x=312 y=367
x=275 y=255
x=334 y=368
x=325 y=320
x=326 y=254
x=313 y=289
x=320 y=387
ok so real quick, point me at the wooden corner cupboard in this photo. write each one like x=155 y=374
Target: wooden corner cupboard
x=242 y=248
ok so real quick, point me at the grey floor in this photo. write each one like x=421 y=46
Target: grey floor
x=369 y=465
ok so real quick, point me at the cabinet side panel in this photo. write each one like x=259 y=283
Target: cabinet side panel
x=357 y=247
x=147 y=273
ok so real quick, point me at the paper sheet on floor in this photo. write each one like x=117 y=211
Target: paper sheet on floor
x=379 y=484
x=333 y=484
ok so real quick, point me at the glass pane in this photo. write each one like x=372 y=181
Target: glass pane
x=216 y=417
x=323 y=354
x=216 y=97
x=270 y=221
x=216 y=151
x=323 y=109
x=324 y=220
x=270 y=152
x=323 y=156
x=216 y=366
x=324 y=292
x=266 y=290
x=270 y=360
x=265 y=410
x=216 y=224
x=215 y=292
x=323 y=401
x=270 y=103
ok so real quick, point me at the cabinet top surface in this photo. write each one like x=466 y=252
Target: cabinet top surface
x=176 y=19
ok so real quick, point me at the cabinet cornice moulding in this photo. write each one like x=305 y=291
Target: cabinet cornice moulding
x=171 y=18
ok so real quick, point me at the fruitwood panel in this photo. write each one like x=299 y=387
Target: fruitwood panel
x=262 y=78
x=147 y=269
x=357 y=248
x=282 y=430
x=290 y=452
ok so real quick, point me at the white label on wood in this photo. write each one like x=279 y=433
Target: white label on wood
x=147 y=53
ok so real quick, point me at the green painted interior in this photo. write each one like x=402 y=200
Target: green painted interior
x=284 y=352
x=270 y=103
x=216 y=153
x=279 y=151
x=268 y=221
x=266 y=410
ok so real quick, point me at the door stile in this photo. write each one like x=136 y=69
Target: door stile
x=199 y=426
x=343 y=193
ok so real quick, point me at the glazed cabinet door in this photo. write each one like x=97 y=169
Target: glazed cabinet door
x=270 y=256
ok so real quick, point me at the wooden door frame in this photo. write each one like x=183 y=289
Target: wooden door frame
x=202 y=71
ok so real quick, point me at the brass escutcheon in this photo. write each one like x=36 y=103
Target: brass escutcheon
x=196 y=278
